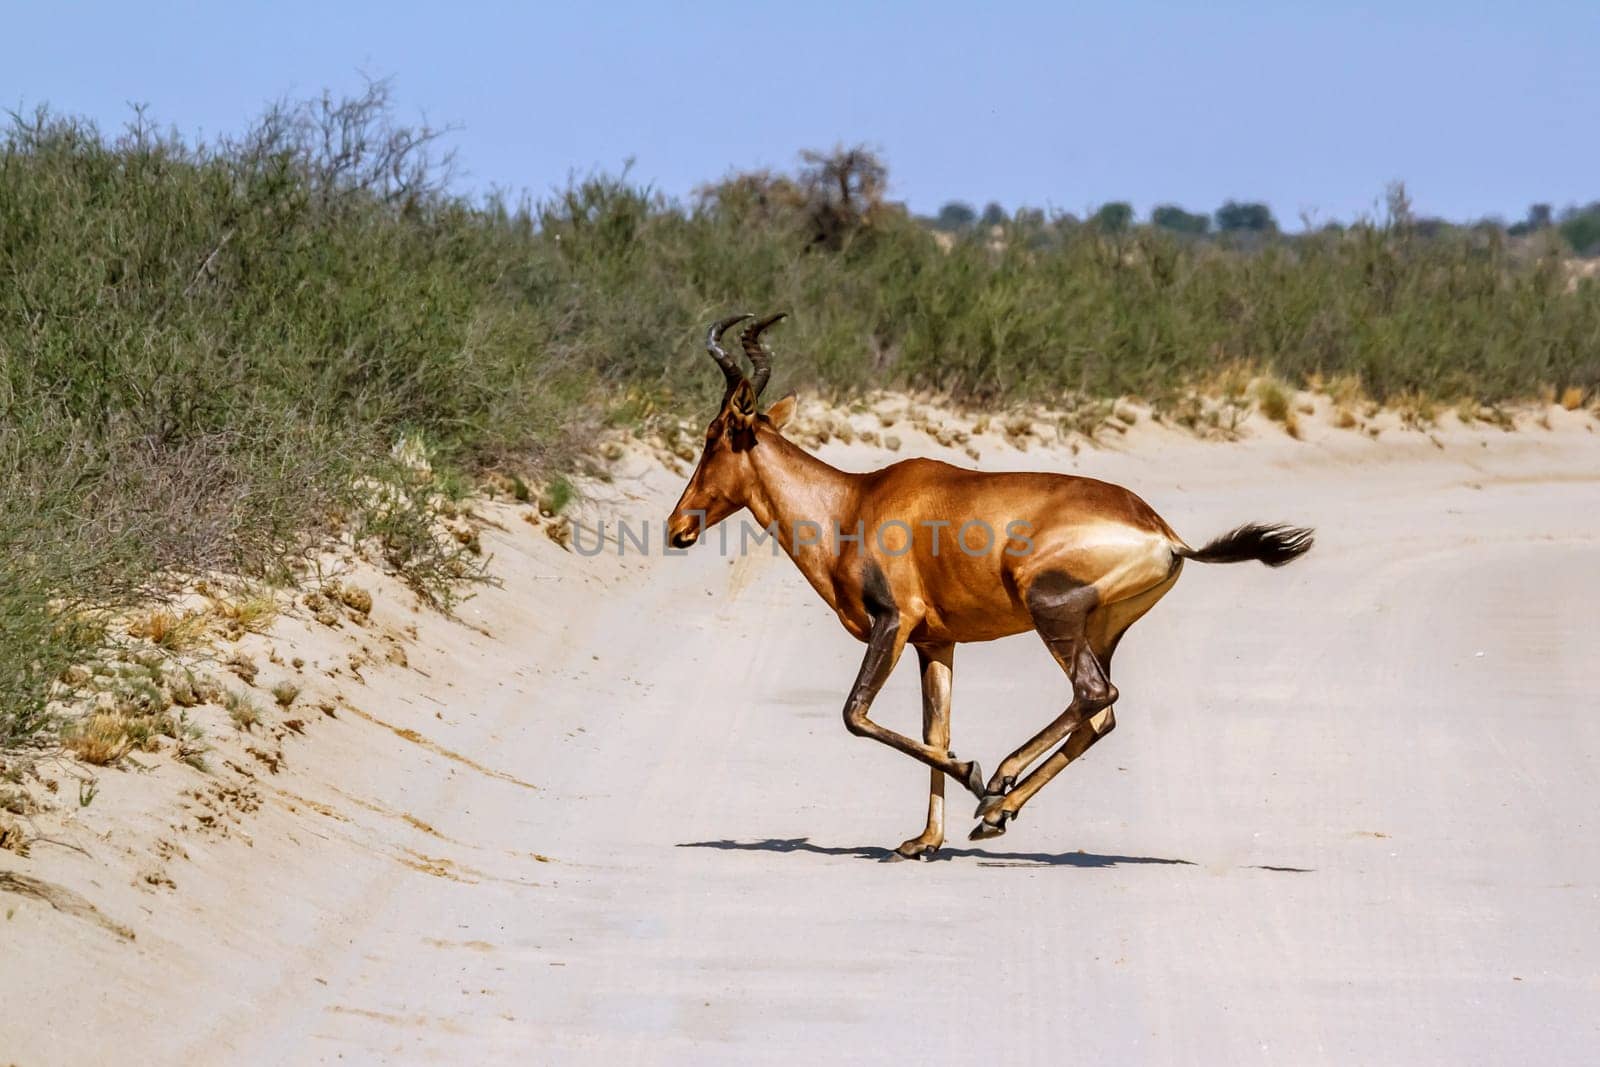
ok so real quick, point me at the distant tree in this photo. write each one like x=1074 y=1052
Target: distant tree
x=1067 y=222
x=1174 y=218
x=994 y=214
x=1113 y=217
x=1539 y=217
x=835 y=196
x=1030 y=227
x=1398 y=204
x=1581 y=229
x=844 y=192
x=955 y=215
x=1247 y=217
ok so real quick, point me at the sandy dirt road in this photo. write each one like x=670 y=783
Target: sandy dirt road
x=1349 y=813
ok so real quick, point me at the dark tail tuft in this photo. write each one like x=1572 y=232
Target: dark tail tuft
x=1270 y=543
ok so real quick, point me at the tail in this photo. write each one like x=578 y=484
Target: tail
x=1272 y=544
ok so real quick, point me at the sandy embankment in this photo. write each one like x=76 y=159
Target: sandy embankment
x=610 y=809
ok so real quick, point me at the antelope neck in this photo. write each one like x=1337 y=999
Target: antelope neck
x=793 y=488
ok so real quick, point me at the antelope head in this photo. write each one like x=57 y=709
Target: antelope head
x=721 y=483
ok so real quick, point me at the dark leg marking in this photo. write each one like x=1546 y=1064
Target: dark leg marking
x=1060 y=607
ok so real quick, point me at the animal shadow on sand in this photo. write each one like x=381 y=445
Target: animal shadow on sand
x=985 y=857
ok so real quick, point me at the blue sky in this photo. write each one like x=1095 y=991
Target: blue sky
x=1481 y=109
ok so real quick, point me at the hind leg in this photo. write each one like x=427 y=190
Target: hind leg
x=1080 y=740
x=1084 y=652
x=1062 y=611
x=937 y=663
x=1011 y=768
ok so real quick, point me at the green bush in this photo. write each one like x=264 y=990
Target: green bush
x=1581 y=229
x=1236 y=217
x=1113 y=217
x=1174 y=218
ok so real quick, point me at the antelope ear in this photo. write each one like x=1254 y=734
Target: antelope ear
x=742 y=405
x=782 y=411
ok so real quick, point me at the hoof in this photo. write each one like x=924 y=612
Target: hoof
x=989 y=804
x=990 y=827
x=915 y=850
x=975 y=779
x=999 y=786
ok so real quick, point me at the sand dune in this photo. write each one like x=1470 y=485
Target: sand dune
x=610 y=813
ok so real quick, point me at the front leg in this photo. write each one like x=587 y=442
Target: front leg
x=884 y=644
x=937 y=663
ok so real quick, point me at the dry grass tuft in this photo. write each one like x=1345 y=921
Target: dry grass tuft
x=252 y=613
x=1572 y=398
x=101 y=740
x=285 y=693
x=1273 y=398
x=169 y=630
x=1086 y=416
x=1209 y=418
x=560 y=492
x=466 y=536
x=321 y=608
x=1345 y=390
x=187 y=691
x=243 y=666
x=242 y=710
x=1498 y=416
x=353 y=597
x=1418 y=411
x=208 y=690
x=1017 y=426
x=12 y=837
x=1276 y=402
x=132 y=715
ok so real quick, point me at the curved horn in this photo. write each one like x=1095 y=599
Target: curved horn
x=730 y=369
x=760 y=358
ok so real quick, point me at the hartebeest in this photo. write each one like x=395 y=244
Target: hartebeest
x=1079 y=561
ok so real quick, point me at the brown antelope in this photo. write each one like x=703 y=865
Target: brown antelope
x=1080 y=561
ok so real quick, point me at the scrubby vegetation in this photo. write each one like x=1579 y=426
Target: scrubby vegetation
x=210 y=352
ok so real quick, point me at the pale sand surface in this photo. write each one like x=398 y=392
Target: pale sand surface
x=1348 y=816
